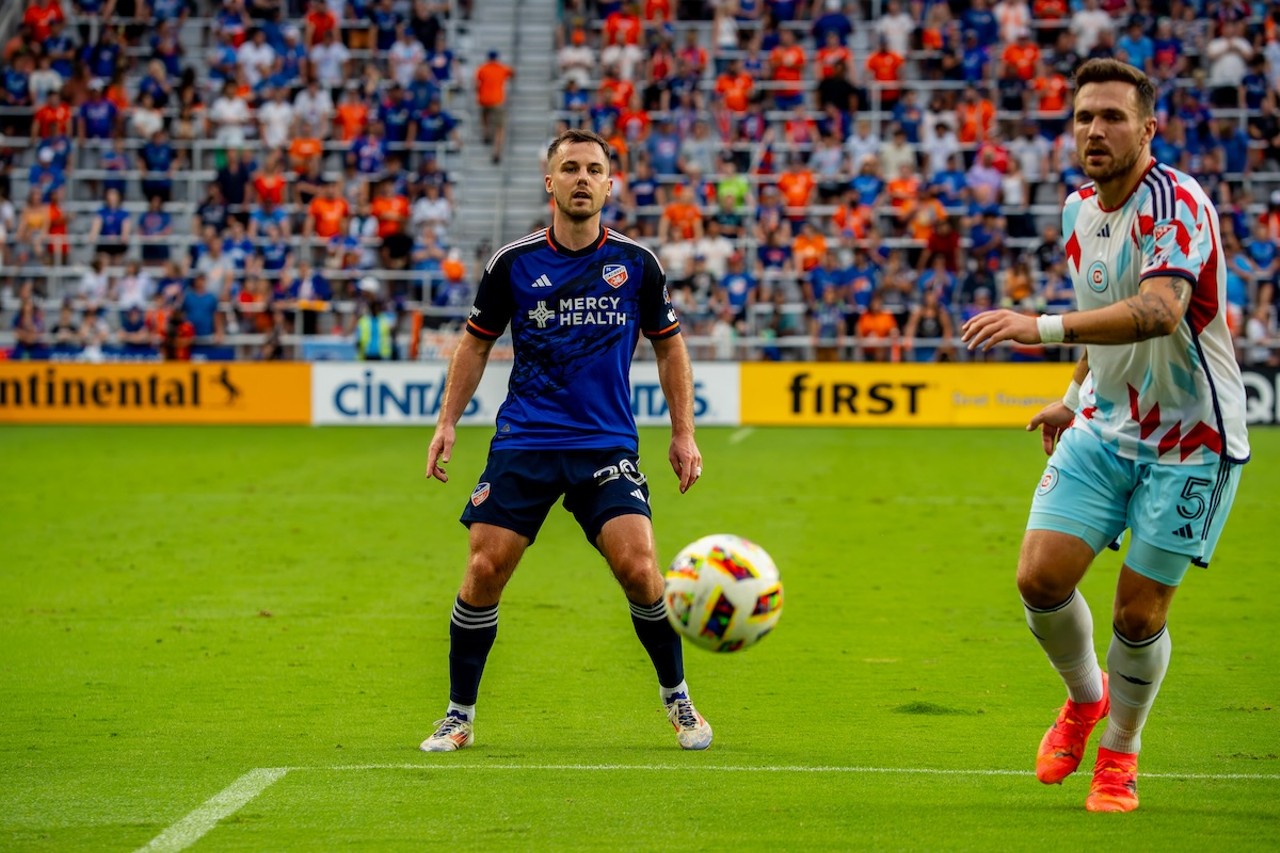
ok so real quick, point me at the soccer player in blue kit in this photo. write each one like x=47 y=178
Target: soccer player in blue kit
x=1150 y=435
x=577 y=297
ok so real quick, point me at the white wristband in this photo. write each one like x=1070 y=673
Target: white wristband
x=1050 y=327
x=1071 y=399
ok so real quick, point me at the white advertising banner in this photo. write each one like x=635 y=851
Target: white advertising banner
x=410 y=393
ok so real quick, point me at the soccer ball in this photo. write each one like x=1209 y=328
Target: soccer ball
x=723 y=593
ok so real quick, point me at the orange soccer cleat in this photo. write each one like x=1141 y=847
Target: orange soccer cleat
x=1115 y=782
x=1063 y=745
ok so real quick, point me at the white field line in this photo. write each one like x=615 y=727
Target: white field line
x=722 y=768
x=225 y=803
x=740 y=435
x=194 y=826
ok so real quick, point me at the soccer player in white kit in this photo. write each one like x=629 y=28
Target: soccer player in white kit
x=1150 y=435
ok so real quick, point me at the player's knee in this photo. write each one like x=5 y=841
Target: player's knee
x=639 y=578
x=487 y=575
x=1136 y=621
x=1039 y=587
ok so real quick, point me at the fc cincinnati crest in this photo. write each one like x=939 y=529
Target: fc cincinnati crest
x=615 y=275
x=481 y=492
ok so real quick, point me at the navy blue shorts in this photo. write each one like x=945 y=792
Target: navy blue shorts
x=518 y=488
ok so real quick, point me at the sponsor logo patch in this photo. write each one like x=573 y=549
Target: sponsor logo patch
x=481 y=492
x=615 y=275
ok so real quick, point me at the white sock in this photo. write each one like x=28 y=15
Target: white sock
x=667 y=692
x=468 y=711
x=1065 y=633
x=1136 y=672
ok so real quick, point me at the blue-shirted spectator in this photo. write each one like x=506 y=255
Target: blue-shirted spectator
x=44 y=174
x=396 y=113
x=111 y=227
x=157 y=160
x=154 y=227
x=385 y=21
x=436 y=125
x=368 y=151
x=832 y=20
x=1139 y=50
x=103 y=58
x=201 y=308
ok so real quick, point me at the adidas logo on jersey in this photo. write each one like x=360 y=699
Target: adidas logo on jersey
x=1184 y=532
x=1104 y=231
x=542 y=281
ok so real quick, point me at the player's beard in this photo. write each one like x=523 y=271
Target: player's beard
x=1117 y=168
x=578 y=214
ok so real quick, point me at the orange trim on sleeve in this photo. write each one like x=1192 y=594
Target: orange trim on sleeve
x=660 y=332
x=482 y=330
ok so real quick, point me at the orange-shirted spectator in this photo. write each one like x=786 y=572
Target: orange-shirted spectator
x=808 y=247
x=681 y=218
x=304 y=150
x=616 y=89
x=1050 y=89
x=390 y=209
x=926 y=216
x=657 y=10
x=352 y=115
x=634 y=122
x=799 y=129
x=692 y=53
x=974 y=116
x=1270 y=218
x=796 y=185
x=877 y=325
x=622 y=26
x=903 y=191
x=734 y=87
x=269 y=182
x=852 y=218
x=994 y=146
x=52 y=119
x=830 y=54
x=786 y=67
x=885 y=66
x=1022 y=55
x=491 y=97
x=117 y=94
x=327 y=214
x=40 y=16
x=318 y=22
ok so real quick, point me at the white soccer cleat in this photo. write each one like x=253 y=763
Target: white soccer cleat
x=452 y=733
x=692 y=730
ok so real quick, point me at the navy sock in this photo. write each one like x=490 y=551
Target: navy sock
x=660 y=640
x=472 y=631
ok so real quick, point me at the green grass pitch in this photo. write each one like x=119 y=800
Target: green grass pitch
x=180 y=608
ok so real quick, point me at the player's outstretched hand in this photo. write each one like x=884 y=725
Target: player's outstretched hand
x=686 y=461
x=439 y=453
x=1052 y=420
x=991 y=327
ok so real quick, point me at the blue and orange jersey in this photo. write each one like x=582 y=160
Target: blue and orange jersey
x=575 y=318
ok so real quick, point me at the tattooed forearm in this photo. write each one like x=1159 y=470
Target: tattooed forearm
x=1151 y=313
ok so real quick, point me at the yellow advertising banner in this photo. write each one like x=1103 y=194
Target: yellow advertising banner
x=861 y=394
x=50 y=392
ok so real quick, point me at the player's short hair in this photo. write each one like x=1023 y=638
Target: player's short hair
x=573 y=135
x=1107 y=70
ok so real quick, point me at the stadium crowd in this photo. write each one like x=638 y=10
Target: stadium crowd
x=823 y=179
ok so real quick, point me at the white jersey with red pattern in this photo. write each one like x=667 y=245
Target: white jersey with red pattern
x=1176 y=399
